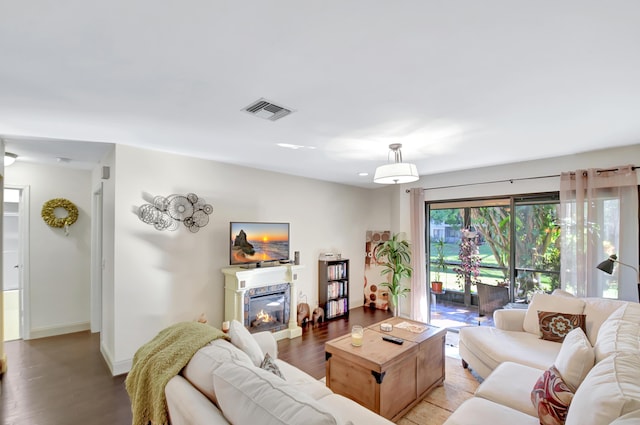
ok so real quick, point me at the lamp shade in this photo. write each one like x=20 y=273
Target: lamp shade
x=607 y=265
x=9 y=158
x=399 y=172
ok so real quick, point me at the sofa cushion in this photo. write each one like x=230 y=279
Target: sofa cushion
x=241 y=338
x=611 y=389
x=493 y=346
x=597 y=311
x=519 y=379
x=575 y=359
x=302 y=381
x=554 y=303
x=350 y=411
x=478 y=411
x=551 y=397
x=632 y=418
x=248 y=394
x=199 y=370
x=555 y=326
x=620 y=332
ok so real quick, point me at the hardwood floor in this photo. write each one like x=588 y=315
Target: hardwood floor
x=63 y=380
x=307 y=352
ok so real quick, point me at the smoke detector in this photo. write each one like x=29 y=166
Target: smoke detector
x=268 y=110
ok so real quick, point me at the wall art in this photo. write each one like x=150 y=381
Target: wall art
x=166 y=213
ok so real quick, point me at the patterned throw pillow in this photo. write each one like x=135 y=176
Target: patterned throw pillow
x=551 y=397
x=269 y=364
x=555 y=326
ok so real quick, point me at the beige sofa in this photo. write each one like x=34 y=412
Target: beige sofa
x=595 y=374
x=225 y=383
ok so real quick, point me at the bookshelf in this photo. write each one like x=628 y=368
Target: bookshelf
x=333 y=287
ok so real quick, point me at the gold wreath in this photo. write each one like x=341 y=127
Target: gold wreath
x=49 y=216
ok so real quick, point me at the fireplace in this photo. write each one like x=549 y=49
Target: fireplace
x=264 y=291
x=267 y=308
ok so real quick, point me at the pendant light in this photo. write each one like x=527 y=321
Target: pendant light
x=396 y=172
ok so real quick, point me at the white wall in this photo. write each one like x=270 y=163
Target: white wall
x=462 y=185
x=161 y=277
x=59 y=265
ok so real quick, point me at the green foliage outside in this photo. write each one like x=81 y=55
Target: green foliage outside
x=537 y=238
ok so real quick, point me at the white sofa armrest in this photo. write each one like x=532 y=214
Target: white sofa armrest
x=188 y=406
x=509 y=320
x=267 y=343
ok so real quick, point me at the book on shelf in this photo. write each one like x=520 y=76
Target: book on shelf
x=337 y=289
x=337 y=307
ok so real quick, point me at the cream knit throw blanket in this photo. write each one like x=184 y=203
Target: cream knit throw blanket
x=159 y=360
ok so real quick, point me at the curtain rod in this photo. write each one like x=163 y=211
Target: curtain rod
x=635 y=167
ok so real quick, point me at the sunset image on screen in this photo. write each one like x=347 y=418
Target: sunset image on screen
x=255 y=242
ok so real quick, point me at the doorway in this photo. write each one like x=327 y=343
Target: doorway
x=13 y=263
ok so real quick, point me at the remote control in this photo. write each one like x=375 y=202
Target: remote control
x=393 y=339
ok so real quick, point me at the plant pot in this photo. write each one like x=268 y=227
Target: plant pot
x=395 y=305
x=436 y=287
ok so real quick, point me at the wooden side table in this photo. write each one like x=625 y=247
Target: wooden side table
x=387 y=378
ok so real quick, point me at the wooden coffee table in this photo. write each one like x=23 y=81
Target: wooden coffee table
x=387 y=378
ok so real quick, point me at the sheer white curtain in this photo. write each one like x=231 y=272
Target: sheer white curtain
x=593 y=205
x=419 y=293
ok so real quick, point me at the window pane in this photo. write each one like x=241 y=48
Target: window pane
x=537 y=250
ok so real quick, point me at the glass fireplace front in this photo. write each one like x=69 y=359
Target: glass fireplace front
x=267 y=308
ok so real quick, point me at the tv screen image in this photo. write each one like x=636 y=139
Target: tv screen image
x=258 y=242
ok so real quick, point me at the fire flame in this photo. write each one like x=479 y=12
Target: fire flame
x=265 y=317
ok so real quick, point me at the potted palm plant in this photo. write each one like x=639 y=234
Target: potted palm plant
x=439 y=266
x=395 y=256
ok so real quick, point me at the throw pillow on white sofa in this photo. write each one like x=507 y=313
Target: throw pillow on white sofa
x=241 y=338
x=551 y=303
x=575 y=359
x=205 y=361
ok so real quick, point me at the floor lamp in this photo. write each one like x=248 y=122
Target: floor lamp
x=607 y=267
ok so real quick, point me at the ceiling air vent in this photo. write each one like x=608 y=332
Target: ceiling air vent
x=265 y=109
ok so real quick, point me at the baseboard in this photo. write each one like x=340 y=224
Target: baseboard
x=116 y=368
x=58 y=330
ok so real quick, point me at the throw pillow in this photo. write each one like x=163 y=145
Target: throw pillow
x=250 y=395
x=546 y=302
x=575 y=359
x=200 y=368
x=270 y=365
x=610 y=390
x=551 y=397
x=555 y=326
x=241 y=338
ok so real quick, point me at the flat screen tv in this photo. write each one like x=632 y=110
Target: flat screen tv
x=255 y=243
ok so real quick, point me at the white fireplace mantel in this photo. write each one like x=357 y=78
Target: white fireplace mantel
x=238 y=280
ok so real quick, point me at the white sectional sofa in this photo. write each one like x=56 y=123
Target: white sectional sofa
x=591 y=378
x=225 y=383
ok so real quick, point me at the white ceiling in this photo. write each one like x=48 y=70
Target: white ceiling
x=459 y=83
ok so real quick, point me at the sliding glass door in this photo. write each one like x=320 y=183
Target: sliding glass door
x=489 y=253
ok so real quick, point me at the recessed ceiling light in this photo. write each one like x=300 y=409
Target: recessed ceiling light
x=363 y=174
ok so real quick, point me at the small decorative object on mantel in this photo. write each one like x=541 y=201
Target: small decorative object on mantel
x=167 y=213
x=49 y=213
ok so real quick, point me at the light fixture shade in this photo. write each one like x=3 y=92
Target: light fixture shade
x=400 y=172
x=9 y=158
x=607 y=265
